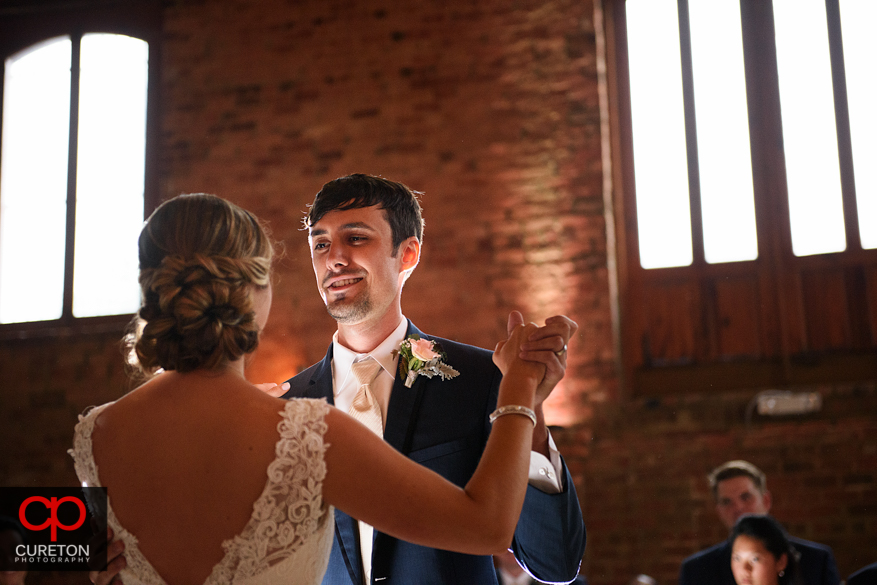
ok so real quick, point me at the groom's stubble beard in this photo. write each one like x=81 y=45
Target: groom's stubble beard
x=351 y=311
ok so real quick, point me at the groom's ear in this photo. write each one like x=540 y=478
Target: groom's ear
x=410 y=252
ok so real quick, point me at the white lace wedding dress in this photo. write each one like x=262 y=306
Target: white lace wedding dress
x=289 y=535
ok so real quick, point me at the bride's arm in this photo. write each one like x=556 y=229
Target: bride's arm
x=373 y=482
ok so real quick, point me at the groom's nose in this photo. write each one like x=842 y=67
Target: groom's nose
x=338 y=255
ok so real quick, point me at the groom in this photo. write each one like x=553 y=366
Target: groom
x=365 y=234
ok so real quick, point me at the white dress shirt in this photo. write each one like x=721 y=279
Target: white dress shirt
x=522 y=578
x=544 y=473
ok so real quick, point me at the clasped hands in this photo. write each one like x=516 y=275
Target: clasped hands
x=545 y=345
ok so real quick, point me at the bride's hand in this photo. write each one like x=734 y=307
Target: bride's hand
x=506 y=356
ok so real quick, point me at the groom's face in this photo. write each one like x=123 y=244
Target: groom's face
x=352 y=252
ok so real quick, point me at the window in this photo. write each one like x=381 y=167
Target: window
x=746 y=202
x=74 y=167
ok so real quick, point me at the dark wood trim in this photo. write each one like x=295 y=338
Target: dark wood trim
x=117 y=324
x=25 y=23
x=617 y=76
x=615 y=245
x=788 y=288
x=152 y=168
x=694 y=201
x=136 y=18
x=72 y=159
x=842 y=124
x=804 y=368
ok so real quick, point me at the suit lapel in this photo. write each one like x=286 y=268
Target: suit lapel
x=347 y=535
x=401 y=416
x=321 y=385
x=404 y=406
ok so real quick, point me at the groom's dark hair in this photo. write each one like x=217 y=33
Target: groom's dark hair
x=400 y=203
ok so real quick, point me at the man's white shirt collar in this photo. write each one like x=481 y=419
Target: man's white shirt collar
x=386 y=354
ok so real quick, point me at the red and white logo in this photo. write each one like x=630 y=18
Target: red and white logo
x=52 y=522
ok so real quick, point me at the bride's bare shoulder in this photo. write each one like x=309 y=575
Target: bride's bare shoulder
x=183 y=401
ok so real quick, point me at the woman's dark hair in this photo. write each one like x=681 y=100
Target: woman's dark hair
x=772 y=535
x=201 y=258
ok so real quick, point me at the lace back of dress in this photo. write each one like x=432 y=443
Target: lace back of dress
x=290 y=512
x=288 y=537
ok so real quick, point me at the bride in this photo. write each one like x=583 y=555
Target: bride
x=213 y=481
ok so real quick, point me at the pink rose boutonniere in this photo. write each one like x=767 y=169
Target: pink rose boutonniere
x=418 y=356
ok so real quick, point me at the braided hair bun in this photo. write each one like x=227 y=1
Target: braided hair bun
x=201 y=260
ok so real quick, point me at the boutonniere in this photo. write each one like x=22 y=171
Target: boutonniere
x=419 y=356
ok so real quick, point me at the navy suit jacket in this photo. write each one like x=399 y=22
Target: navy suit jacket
x=443 y=425
x=713 y=565
x=864 y=576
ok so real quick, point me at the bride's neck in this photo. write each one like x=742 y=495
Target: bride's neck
x=231 y=371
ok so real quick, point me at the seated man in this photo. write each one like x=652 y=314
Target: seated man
x=741 y=488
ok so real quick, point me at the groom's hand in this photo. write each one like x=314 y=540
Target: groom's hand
x=272 y=389
x=115 y=562
x=547 y=345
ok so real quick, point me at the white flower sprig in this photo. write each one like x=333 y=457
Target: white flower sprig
x=418 y=356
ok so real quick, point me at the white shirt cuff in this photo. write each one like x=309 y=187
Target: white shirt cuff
x=545 y=472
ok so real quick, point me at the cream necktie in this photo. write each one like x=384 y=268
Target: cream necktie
x=364 y=407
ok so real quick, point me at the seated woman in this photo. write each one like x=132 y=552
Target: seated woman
x=213 y=481
x=761 y=553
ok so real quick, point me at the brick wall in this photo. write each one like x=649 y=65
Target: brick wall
x=490 y=108
x=641 y=467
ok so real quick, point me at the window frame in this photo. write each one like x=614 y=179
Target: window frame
x=777 y=276
x=24 y=24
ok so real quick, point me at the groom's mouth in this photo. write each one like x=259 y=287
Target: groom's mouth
x=342 y=284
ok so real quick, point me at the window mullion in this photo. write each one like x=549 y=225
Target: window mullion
x=76 y=40
x=765 y=132
x=769 y=181
x=691 y=135
x=842 y=123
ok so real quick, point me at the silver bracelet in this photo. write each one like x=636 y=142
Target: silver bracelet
x=513 y=409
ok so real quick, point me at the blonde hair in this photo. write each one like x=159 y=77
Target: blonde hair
x=201 y=257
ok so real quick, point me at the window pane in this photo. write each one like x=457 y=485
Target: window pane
x=809 y=135
x=722 y=131
x=110 y=174
x=33 y=182
x=860 y=48
x=659 y=151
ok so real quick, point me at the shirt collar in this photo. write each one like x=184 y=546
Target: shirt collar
x=386 y=353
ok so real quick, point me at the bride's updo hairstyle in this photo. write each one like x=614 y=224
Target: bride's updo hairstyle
x=201 y=259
